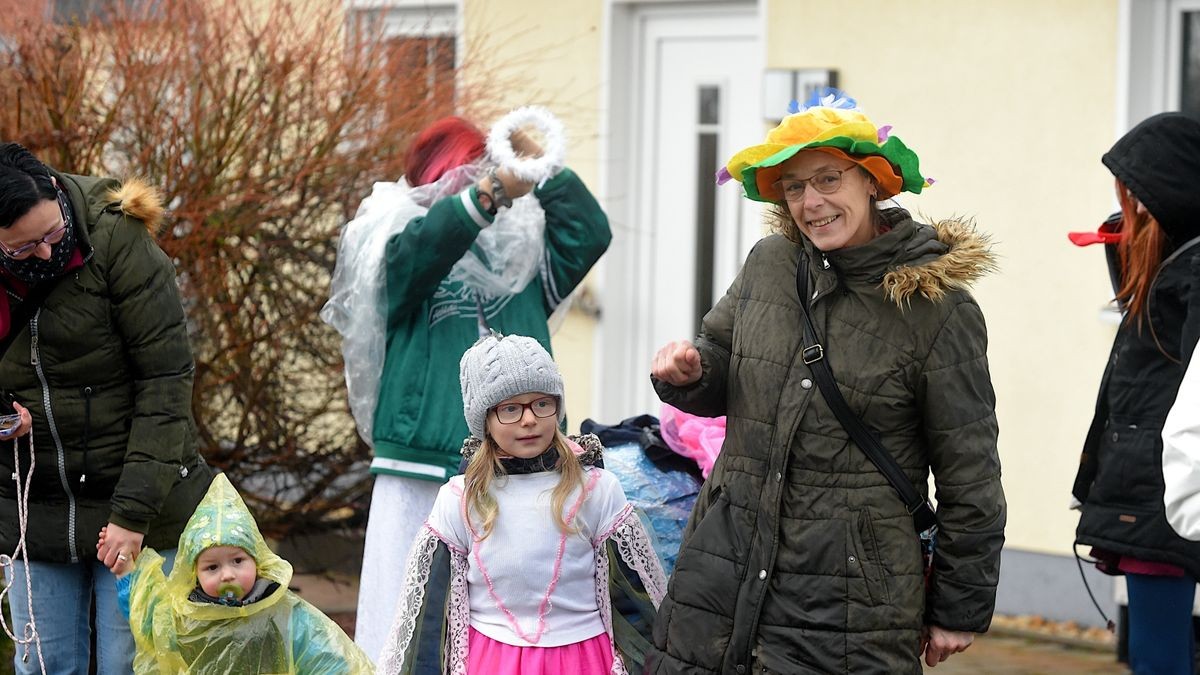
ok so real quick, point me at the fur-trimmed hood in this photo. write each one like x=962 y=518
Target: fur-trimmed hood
x=968 y=257
x=138 y=199
x=914 y=258
x=92 y=197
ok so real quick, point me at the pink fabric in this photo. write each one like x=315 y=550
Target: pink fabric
x=486 y=656
x=21 y=289
x=1155 y=569
x=699 y=438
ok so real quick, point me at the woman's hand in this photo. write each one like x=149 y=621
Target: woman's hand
x=677 y=363
x=22 y=428
x=938 y=643
x=513 y=188
x=118 y=548
x=523 y=146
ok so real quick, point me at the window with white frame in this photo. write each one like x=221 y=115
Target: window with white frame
x=84 y=11
x=422 y=48
x=1161 y=39
x=1183 y=73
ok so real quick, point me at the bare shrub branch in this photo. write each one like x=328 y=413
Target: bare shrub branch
x=264 y=124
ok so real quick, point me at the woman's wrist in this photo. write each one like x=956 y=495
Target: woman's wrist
x=483 y=193
x=473 y=203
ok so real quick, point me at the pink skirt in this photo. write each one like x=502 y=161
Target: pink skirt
x=485 y=656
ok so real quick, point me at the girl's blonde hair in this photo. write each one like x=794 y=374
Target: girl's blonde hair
x=485 y=466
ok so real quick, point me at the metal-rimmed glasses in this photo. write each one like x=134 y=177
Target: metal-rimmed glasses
x=52 y=237
x=511 y=413
x=826 y=182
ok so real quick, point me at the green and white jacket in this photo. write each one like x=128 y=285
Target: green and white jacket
x=431 y=320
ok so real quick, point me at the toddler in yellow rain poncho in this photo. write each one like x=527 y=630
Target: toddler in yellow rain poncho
x=216 y=618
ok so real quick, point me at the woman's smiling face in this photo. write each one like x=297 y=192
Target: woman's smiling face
x=831 y=221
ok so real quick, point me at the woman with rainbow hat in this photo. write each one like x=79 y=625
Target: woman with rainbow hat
x=802 y=555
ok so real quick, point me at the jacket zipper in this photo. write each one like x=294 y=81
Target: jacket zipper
x=87 y=435
x=817 y=294
x=36 y=361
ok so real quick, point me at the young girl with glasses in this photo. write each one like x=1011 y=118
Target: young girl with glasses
x=522 y=540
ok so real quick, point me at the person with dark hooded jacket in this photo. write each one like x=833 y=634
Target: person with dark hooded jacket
x=800 y=556
x=1119 y=486
x=94 y=357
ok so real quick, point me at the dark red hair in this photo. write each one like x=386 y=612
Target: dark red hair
x=1141 y=252
x=447 y=143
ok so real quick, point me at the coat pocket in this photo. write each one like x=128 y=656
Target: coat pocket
x=694 y=623
x=1130 y=466
x=711 y=557
x=869 y=558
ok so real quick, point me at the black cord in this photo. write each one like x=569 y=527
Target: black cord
x=1112 y=627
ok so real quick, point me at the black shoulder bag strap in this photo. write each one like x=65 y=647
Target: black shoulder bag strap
x=924 y=519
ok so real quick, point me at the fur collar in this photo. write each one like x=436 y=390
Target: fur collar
x=592 y=449
x=969 y=258
x=137 y=199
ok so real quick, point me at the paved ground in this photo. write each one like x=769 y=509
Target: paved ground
x=992 y=654
x=1002 y=655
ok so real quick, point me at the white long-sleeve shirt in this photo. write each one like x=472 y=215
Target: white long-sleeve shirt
x=529 y=583
x=1181 y=457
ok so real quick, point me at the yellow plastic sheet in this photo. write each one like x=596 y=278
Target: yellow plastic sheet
x=279 y=634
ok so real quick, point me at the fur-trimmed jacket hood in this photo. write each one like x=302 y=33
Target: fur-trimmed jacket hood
x=912 y=258
x=133 y=198
x=138 y=199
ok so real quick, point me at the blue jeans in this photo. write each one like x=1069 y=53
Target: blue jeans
x=1160 y=624
x=62 y=598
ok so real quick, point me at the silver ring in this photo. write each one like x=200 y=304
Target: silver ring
x=121 y=557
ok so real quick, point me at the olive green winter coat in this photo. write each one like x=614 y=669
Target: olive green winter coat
x=799 y=556
x=105 y=368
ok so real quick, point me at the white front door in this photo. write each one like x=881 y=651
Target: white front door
x=689 y=97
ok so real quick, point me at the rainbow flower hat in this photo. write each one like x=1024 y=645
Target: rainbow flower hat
x=830 y=122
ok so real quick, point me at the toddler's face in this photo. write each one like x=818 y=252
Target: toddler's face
x=226 y=568
x=523 y=426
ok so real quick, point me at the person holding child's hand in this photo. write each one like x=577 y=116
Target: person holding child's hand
x=96 y=364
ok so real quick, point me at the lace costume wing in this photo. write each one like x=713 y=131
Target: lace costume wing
x=434 y=600
x=630 y=579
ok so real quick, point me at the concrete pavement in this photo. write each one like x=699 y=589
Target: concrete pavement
x=996 y=653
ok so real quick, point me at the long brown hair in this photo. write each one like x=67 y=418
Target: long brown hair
x=485 y=466
x=1140 y=252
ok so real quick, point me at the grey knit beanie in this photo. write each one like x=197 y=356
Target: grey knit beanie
x=498 y=367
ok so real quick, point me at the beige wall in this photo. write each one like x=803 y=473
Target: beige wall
x=1009 y=105
x=550 y=52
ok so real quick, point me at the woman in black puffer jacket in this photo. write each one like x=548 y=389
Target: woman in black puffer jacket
x=1120 y=483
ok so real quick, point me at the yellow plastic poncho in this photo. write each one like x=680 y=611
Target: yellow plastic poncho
x=280 y=633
